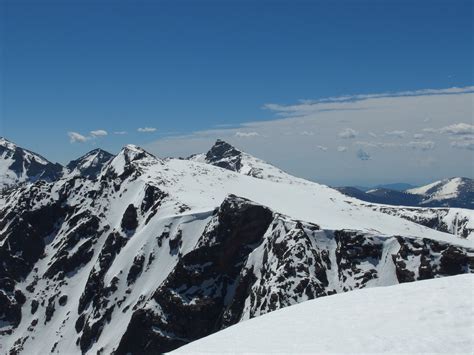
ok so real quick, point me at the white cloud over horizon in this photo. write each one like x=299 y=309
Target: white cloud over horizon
x=416 y=136
x=75 y=137
x=146 y=129
x=396 y=133
x=246 y=134
x=348 y=133
x=98 y=133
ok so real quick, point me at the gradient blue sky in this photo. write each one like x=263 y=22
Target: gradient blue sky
x=185 y=66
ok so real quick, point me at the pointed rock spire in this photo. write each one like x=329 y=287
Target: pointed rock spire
x=224 y=155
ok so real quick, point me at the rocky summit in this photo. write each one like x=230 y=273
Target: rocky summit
x=136 y=254
x=18 y=165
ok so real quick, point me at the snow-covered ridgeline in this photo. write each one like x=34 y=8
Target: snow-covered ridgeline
x=457 y=221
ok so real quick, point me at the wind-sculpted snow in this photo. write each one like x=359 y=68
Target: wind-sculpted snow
x=150 y=254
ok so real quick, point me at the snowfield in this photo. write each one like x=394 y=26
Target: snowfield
x=432 y=316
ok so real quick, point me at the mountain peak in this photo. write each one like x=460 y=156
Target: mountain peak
x=453 y=192
x=221 y=142
x=90 y=164
x=19 y=165
x=98 y=150
x=129 y=154
x=224 y=155
x=7 y=144
x=133 y=152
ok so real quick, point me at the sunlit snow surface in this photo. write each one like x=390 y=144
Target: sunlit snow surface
x=433 y=316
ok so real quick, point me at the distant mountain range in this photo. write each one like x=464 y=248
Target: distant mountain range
x=137 y=254
x=398 y=186
x=453 y=192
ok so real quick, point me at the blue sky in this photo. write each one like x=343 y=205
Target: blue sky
x=187 y=66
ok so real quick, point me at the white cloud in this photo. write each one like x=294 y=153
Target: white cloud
x=372 y=134
x=323 y=148
x=307 y=133
x=422 y=145
x=418 y=136
x=396 y=133
x=246 y=134
x=341 y=148
x=348 y=133
x=98 y=133
x=146 y=129
x=463 y=144
x=311 y=106
x=120 y=132
x=379 y=144
x=453 y=129
x=458 y=129
x=75 y=137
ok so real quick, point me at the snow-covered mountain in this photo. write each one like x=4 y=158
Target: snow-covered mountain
x=18 y=165
x=454 y=192
x=89 y=165
x=427 y=317
x=224 y=155
x=150 y=254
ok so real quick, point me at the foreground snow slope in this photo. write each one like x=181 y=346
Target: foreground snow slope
x=429 y=316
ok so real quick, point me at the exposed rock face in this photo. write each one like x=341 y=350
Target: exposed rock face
x=129 y=220
x=225 y=156
x=210 y=274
